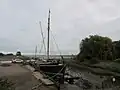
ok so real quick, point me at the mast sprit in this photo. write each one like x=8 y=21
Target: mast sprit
x=48 y=35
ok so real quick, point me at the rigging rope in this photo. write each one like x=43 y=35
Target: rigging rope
x=50 y=78
x=41 y=48
x=36 y=86
x=42 y=37
x=58 y=72
x=56 y=45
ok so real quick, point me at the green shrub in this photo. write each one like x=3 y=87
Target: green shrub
x=18 y=53
x=1 y=54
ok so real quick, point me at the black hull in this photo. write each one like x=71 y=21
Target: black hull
x=52 y=68
x=55 y=71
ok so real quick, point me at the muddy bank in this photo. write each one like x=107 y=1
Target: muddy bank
x=94 y=70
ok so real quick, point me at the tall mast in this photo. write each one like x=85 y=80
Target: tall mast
x=48 y=35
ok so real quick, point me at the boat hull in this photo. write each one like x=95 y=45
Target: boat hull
x=52 y=68
x=54 y=71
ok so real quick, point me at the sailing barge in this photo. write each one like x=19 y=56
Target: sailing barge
x=55 y=69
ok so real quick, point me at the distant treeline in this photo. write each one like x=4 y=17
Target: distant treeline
x=98 y=48
x=18 y=53
x=9 y=54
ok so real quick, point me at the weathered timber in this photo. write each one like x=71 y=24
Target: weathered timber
x=40 y=77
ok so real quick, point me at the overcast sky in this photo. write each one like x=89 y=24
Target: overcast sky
x=71 y=21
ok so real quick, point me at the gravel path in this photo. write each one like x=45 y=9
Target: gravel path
x=22 y=77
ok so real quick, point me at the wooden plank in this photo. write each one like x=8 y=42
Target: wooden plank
x=30 y=68
x=45 y=81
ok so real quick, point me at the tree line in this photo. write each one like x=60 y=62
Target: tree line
x=18 y=53
x=98 y=48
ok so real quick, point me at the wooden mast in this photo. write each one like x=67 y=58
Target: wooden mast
x=48 y=35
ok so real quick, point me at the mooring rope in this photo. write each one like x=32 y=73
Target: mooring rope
x=36 y=86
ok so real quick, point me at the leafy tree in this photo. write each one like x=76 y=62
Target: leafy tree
x=9 y=54
x=1 y=54
x=116 y=49
x=96 y=46
x=18 y=53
